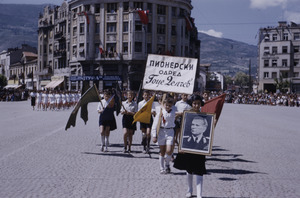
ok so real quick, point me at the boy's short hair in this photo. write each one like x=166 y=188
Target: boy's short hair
x=169 y=100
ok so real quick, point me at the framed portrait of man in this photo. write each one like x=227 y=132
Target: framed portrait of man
x=196 y=134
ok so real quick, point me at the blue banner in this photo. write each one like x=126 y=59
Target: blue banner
x=95 y=78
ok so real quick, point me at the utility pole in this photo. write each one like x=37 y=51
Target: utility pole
x=250 y=80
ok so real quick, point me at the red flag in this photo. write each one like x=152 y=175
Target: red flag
x=100 y=50
x=87 y=17
x=214 y=105
x=189 y=24
x=143 y=16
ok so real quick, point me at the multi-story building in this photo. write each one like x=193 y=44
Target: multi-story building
x=279 y=56
x=107 y=40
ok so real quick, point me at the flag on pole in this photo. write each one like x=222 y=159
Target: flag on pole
x=189 y=25
x=144 y=114
x=143 y=16
x=214 y=105
x=118 y=98
x=91 y=95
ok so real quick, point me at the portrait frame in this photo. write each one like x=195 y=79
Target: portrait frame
x=196 y=133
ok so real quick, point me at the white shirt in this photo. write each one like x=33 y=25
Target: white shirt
x=181 y=106
x=104 y=103
x=167 y=121
x=129 y=106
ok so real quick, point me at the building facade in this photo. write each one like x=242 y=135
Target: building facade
x=279 y=57
x=107 y=41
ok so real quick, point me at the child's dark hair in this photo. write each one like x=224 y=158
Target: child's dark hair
x=169 y=100
x=107 y=91
x=195 y=97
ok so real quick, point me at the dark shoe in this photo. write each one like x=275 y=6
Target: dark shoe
x=168 y=170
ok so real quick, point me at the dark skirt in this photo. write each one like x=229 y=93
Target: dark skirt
x=32 y=101
x=107 y=118
x=127 y=122
x=192 y=163
x=145 y=126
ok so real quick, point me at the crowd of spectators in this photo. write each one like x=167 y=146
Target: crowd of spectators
x=273 y=99
x=13 y=94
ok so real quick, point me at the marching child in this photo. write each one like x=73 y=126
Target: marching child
x=165 y=136
x=107 y=121
x=145 y=128
x=129 y=109
x=194 y=164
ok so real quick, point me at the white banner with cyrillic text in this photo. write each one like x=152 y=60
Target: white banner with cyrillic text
x=170 y=74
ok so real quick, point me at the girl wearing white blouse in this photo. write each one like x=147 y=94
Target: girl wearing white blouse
x=129 y=108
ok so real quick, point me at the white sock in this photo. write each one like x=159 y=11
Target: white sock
x=103 y=140
x=106 y=141
x=168 y=159
x=199 y=183
x=161 y=162
x=190 y=182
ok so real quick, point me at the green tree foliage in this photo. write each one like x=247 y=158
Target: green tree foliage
x=281 y=85
x=241 y=79
x=3 y=81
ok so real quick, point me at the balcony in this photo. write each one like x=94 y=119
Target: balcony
x=60 y=53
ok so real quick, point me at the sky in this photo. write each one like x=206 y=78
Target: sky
x=234 y=19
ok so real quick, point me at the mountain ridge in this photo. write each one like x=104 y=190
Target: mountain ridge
x=19 y=25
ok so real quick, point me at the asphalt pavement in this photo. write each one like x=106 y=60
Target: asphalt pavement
x=255 y=154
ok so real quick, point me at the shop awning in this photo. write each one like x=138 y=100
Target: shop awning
x=12 y=86
x=54 y=84
x=44 y=82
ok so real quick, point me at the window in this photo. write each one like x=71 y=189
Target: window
x=285 y=36
x=266 y=63
x=87 y=8
x=149 y=27
x=266 y=50
x=284 y=49
x=50 y=49
x=74 y=30
x=138 y=5
x=126 y=6
x=111 y=7
x=274 y=63
x=274 y=37
x=297 y=36
x=284 y=63
x=274 y=50
x=97 y=8
x=274 y=75
x=111 y=27
x=296 y=63
x=266 y=74
x=296 y=49
x=125 y=27
x=138 y=26
x=296 y=74
x=174 y=9
x=97 y=49
x=149 y=48
x=125 y=47
x=267 y=37
x=284 y=74
x=138 y=46
x=97 y=29
x=149 y=7
x=161 y=29
x=81 y=29
x=161 y=9
x=173 y=31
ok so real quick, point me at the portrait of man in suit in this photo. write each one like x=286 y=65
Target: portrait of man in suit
x=196 y=133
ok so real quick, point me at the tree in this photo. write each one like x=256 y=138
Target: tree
x=3 y=81
x=281 y=85
x=241 y=79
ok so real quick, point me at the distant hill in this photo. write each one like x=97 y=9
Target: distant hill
x=227 y=56
x=19 y=25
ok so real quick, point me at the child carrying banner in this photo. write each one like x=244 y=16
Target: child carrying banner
x=145 y=127
x=107 y=121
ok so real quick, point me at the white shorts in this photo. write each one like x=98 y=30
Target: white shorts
x=165 y=137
